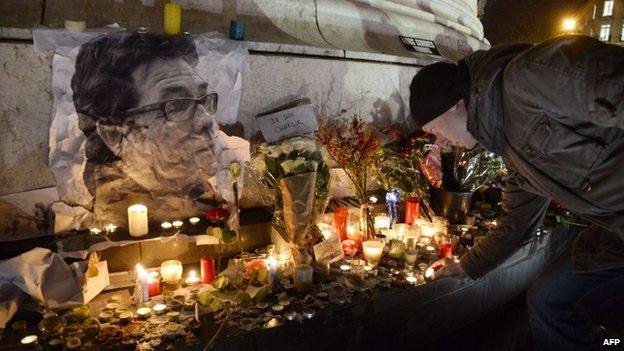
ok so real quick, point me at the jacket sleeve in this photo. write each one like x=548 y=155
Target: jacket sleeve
x=575 y=77
x=522 y=212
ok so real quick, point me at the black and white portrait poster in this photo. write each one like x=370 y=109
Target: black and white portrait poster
x=136 y=118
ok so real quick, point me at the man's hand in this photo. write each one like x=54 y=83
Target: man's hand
x=447 y=267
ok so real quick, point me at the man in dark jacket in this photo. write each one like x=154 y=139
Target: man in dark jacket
x=555 y=113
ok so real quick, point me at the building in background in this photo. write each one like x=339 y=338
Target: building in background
x=602 y=19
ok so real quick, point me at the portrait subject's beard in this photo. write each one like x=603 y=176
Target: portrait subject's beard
x=168 y=161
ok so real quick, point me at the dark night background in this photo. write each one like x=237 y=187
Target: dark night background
x=526 y=20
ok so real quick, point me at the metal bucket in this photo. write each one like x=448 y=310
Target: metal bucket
x=454 y=206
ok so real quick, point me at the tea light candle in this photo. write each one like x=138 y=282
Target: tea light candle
x=29 y=340
x=427 y=230
x=137 y=220
x=166 y=225
x=95 y=231
x=381 y=222
x=171 y=271
x=125 y=317
x=429 y=273
x=192 y=278
x=411 y=279
x=177 y=224
x=372 y=251
x=110 y=228
x=368 y=268
x=303 y=278
x=345 y=267
x=194 y=220
x=144 y=312
x=159 y=308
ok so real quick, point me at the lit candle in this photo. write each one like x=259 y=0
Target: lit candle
x=427 y=230
x=177 y=224
x=171 y=271
x=446 y=250
x=353 y=233
x=166 y=225
x=411 y=279
x=159 y=308
x=144 y=312
x=110 y=228
x=137 y=220
x=173 y=19
x=29 y=340
x=345 y=267
x=382 y=222
x=429 y=273
x=410 y=257
x=327 y=231
x=303 y=278
x=271 y=263
x=142 y=283
x=153 y=284
x=372 y=251
x=194 y=220
x=192 y=278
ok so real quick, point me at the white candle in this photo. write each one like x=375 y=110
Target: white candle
x=327 y=231
x=429 y=273
x=381 y=222
x=142 y=282
x=110 y=228
x=372 y=251
x=303 y=278
x=171 y=271
x=29 y=340
x=345 y=267
x=192 y=278
x=137 y=220
x=177 y=224
x=194 y=220
x=427 y=230
x=143 y=312
x=95 y=231
x=411 y=279
x=166 y=225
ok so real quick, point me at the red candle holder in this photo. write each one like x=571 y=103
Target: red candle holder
x=446 y=250
x=341 y=215
x=412 y=210
x=206 y=264
x=153 y=284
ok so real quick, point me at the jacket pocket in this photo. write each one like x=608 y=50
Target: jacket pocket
x=559 y=152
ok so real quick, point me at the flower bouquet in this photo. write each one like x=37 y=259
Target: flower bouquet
x=399 y=167
x=355 y=146
x=296 y=172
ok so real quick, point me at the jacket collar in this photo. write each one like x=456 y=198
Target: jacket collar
x=485 y=106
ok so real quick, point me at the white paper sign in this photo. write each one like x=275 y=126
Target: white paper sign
x=288 y=123
x=329 y=251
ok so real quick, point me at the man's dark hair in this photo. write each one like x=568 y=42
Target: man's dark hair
x=103 y=83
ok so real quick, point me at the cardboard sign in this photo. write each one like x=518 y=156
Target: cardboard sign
x=287 y=123
x=329 y=251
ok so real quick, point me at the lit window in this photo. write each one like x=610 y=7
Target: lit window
x=605 y=32
x=608 y=8
x=594 y=13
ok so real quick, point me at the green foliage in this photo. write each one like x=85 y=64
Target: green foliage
x=465 y=170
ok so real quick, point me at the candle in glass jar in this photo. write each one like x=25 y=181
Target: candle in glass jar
x=207 y=271
x=171 y=271
x=381 y=222
x=372 y=251
x=137 y=220
x=427 y=230
x=446 y=250
x=341 y=214
x=412 y=210
x=411 y=256
x=271 y=263
x=153 y=284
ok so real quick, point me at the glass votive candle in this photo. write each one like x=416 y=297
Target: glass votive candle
x=358 y=267
x=171 y=271
x=381 y=222
x=159 y=308
x=427 y=230
x=396 y=249
x=411 y=255
x=372 y=251
x=192 y=278
x=303 y=278
x=143 y=312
